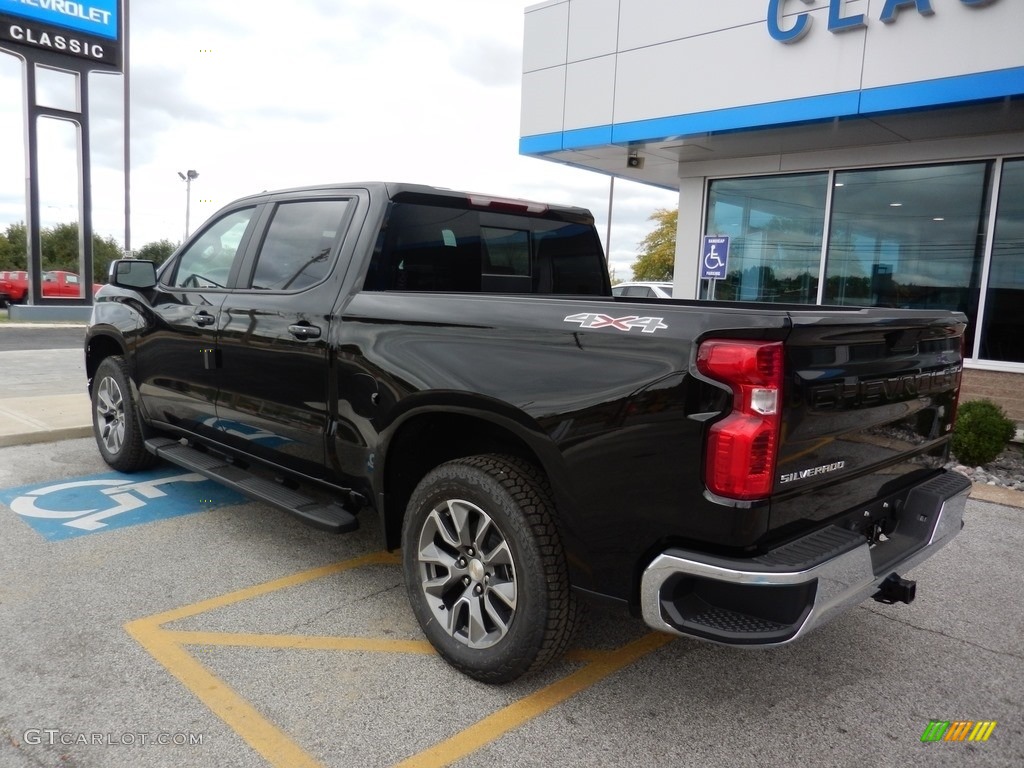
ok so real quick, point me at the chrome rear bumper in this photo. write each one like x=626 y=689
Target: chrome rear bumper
x=780 y=596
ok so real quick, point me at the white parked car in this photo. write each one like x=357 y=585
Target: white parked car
x=643 y=290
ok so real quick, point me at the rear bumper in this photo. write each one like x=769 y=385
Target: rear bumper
x=780 y=596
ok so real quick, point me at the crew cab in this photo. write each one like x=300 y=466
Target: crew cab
x=456 y=366
x=56 y=284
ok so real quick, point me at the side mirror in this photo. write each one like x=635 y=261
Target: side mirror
x=132 y=273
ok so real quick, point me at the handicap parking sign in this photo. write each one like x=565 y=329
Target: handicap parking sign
x=69 y=508
x=714 y=259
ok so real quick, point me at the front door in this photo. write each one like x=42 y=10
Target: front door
x=176 y=362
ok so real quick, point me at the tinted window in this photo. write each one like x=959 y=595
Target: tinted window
x=434 y=248
x=296 y=253
x=206 y=263
x=506 y=251
x=638 y=291
x=1003 y=338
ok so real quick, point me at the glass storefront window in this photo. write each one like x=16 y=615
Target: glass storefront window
x=1002 y=336
x=908 y=237
x=775 y=227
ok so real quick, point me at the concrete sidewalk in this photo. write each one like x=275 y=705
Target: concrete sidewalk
x=43 y=396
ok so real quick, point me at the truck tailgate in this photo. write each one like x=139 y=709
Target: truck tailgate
x=869 y=404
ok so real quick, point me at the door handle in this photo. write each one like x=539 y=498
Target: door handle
x=304 y=331
x=203 y=318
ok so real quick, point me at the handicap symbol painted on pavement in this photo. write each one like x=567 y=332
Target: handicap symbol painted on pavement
x=69 y=508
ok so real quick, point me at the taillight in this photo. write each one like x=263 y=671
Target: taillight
x=740 y=459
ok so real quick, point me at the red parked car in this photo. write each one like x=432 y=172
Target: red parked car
x=57 y=284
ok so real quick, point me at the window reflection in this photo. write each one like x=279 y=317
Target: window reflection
x=908 y=237
x=775 y=228
x=1003 y=334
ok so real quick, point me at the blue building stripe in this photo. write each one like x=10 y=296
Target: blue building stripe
x=928 y=93
x=944 y=91
x=540 y=144
x=738 y=118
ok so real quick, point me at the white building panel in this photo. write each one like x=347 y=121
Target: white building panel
x=739 y=66
x=589 y=93
x=545 y=37
x=957 y=40
x=651 y=22
x=593 y=28
x=543 y=100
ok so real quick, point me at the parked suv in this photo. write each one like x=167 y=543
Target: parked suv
x=643 y=290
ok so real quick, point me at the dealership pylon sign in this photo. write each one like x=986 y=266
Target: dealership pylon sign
x=87 y=30
x=62 y=37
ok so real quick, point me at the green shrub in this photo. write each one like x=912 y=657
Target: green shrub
x=982 y=432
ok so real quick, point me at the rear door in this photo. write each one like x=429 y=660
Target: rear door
x=273 y=399
x=869 y=404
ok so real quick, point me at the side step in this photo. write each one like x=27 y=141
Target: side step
x=332 y=518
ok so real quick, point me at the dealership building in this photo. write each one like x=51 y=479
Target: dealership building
x=854 y=152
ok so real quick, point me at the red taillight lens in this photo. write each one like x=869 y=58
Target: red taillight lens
x=740 y=458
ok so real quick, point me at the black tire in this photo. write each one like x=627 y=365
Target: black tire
x=485 y=570
x=115 y=418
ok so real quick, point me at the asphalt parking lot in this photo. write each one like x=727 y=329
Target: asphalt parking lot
x=223 y=633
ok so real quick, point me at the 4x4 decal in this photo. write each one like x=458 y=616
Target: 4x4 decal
x=592 y=320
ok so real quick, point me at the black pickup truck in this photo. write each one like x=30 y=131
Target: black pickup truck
x=457 y=364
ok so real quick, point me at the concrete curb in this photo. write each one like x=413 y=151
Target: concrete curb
x=52 y=436
x=997 y=495
x=44 y=418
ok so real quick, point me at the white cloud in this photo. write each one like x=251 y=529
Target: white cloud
x=267 y=95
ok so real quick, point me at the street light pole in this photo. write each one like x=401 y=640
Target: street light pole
x=188 y=195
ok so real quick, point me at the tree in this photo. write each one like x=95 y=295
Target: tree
x=12 y=247
x=657 y=258
x=60 y=249
x=157 y=251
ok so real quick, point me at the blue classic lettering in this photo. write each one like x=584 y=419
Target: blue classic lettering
x=924 y=7
x=794 y=33
x=838 y=22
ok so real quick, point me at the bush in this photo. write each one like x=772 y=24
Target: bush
x=982 y=432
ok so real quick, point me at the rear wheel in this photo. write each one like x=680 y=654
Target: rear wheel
x=115 y=418
x=485 y=570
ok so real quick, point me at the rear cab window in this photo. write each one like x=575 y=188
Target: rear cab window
x=453 y=247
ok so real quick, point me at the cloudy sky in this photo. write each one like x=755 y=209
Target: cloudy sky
x=265 y=95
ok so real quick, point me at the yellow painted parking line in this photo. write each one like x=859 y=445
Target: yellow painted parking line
x=375 y=558
x=303 y=642
x=514 y=715
x=274 y=745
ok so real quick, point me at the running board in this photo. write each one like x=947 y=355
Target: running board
x=330 y=517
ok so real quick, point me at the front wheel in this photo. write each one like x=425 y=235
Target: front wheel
x=115 y=418
x=485 y=570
